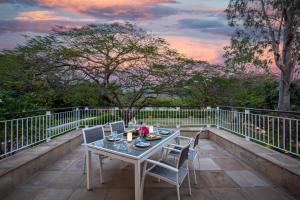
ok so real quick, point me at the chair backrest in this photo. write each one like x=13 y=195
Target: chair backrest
x=196 y=142
x=92 y=134
x=117 y=126
x=184 y=155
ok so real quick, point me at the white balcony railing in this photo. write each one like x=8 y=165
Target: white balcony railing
x=281 y=133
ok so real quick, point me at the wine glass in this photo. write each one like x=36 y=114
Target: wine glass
x=114 y=137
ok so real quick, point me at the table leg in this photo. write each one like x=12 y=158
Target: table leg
x=89 y=170
x=137 y=180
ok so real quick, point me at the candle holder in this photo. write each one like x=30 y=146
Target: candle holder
x=151 y=129
x=129 y=137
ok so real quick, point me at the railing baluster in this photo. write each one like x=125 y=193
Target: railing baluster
x=297 y=137
x=5 y=137
x=290 y=134
x=282 y=134
x=11 y=135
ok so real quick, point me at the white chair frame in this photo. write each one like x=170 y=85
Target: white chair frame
x=110 y=124
x=168 y=167
x=194 y=150
x=101 y=157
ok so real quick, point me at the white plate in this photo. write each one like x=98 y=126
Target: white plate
x=142 y=144
x=111 y=139
x=164 y=132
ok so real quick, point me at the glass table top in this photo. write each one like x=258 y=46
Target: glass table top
x=128 y=148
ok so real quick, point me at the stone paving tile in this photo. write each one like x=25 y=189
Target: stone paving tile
x=74 y=155
x=160 y=194
x=112 y=179
x=171 y=194
x=41 y=179
x=23 y=193
x=230 y=164
x=228 y=194
x=205 y=141
x=245 y=178
x=218 y=179
x=95 y=194
x=206 y=146
x=199 y=194
x=214 y=154
x=117 y=194
x=264 y=193
x=66 y=180
x=206 y=164
x=54 y=194
x=59 y=165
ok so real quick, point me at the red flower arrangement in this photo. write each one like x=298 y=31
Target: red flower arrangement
x=144 y=130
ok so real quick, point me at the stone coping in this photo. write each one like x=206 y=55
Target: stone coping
x=280 y=168
x=280 y=159
x=23 y=157
x=19 y=167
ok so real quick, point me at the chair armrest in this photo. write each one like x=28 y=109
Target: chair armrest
x=175 y=145
x=186 y=138
x=171 y=149
x=162 y=165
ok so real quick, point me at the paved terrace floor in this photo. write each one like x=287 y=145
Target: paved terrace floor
x=220 y=177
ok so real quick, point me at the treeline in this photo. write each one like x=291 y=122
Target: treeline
x=121 y=65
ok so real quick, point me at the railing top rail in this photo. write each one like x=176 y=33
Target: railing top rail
x=93 y=107
x=261 y=110
x=265 y=115
x=37 y=111
x=20 y=115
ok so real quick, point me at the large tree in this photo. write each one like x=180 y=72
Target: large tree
x=126 y=62
x=267 y=31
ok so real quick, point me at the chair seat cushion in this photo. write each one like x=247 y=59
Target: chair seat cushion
x=192 y=153
x=175 y=152
x=168 y=174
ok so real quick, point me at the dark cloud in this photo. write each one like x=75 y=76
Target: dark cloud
x=24 y=2
x=217 y=27
x=132 y=13
x=143 y=11
x=32 y=26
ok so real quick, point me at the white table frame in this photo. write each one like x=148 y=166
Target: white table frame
x=135 y=160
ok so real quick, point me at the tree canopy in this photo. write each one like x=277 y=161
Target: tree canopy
x=124 y=61
x=267 y=34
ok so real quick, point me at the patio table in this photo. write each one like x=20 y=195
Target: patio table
x=129 y=154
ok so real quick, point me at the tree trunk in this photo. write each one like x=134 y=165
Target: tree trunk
x=287 y=61
x=284 y=92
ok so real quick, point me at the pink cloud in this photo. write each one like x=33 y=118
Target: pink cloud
x=114 y=9
x=206 y=50
x=42 y=15
x=3 y=46
x=79 y=5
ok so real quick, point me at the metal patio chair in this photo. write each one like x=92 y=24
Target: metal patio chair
x=118 y=127
x=93 y=134
x=170 y=172
x=193 y=153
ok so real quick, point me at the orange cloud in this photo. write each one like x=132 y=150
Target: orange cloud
x=48 y=16
x=79 y=5
x=207 y=50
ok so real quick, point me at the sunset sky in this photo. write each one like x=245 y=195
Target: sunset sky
x=197 y=28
